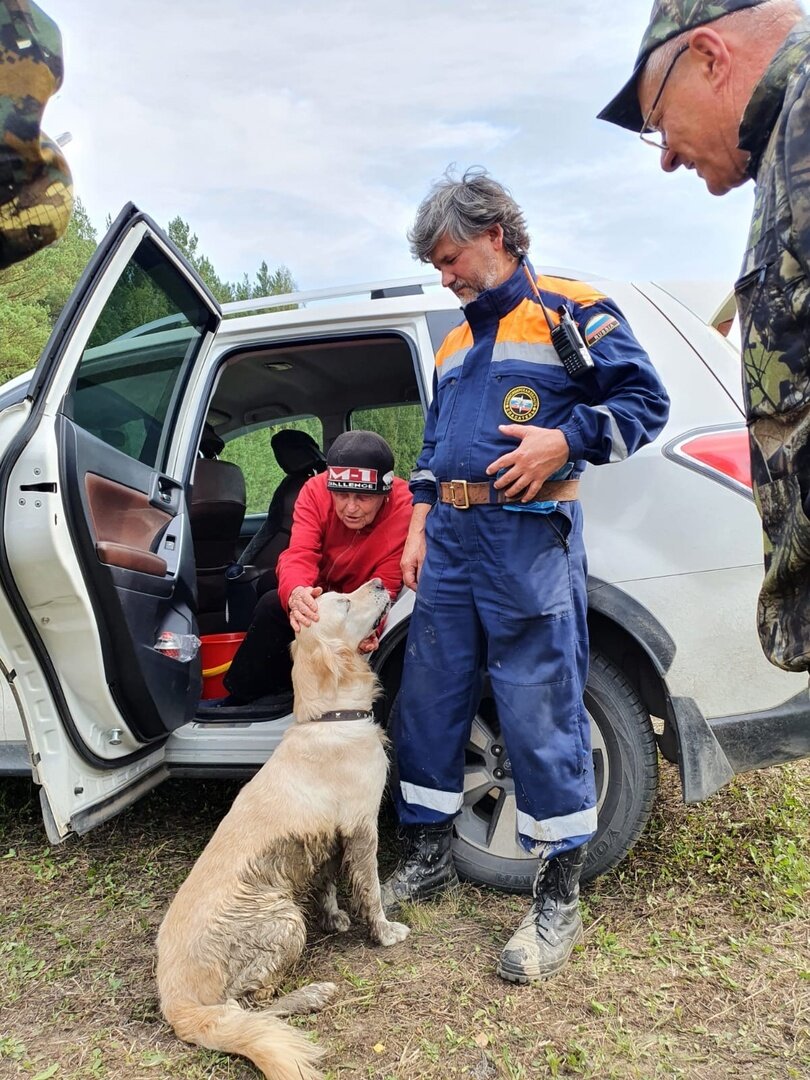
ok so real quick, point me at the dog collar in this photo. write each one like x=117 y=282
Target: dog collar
x=345 y=714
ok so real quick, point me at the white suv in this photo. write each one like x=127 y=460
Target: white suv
x=98 y=450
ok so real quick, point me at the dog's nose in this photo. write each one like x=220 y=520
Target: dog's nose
x=376 y=582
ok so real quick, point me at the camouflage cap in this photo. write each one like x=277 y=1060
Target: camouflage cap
x=668 y=18
x=36 y=193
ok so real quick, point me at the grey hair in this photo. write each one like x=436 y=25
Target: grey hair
x=756 y=21
x=463 y=209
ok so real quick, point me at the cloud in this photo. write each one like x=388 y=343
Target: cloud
x=474 y=136
x=307 y=134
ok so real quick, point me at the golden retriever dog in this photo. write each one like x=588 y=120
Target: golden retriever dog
x=236 y=925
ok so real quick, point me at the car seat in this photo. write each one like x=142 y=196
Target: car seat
x=301 y=458
x=216 y=513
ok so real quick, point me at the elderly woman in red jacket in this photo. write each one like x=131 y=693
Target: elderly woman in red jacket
x=349 y=525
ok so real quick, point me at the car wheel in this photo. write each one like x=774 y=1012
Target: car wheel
x=486 y=849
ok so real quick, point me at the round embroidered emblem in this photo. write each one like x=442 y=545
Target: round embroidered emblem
x=521 y=404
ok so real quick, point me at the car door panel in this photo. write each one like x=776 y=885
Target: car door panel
x=125 y=525
x=96 y=560
x=141 y=582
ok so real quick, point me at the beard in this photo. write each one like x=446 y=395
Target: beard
x=471 y=288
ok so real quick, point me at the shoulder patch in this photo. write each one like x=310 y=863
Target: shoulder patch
x=598 y=325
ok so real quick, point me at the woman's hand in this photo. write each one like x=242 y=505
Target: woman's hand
x=302 y=607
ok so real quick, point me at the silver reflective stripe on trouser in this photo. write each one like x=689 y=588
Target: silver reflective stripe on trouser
x=619 y=450
x=443 y=802
x=583 y=823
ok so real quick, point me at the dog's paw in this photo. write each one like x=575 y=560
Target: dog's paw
x=337 y=922
x=391 y=933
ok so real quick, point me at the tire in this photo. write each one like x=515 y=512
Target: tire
x=486 y=849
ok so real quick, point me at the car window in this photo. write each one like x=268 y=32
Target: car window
x=402 y=426
x=440 y=323
x=144 y=341
x=253 y=454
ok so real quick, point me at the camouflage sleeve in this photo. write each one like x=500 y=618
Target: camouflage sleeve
x=797 y=180
x=36 y=197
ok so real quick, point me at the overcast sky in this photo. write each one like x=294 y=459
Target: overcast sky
x=306 y=133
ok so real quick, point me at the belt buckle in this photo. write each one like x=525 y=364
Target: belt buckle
x=465 y=494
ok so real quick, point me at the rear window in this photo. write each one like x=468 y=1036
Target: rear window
x=402 y=427
x=253 y=453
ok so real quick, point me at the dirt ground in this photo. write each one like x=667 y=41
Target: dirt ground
x=696 y=961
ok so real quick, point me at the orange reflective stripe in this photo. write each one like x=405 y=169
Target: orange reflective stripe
x=578 y=291
x=458 y=338
x=527 y=323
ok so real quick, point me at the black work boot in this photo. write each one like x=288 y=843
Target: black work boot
x=427 y=867
x=542 y=943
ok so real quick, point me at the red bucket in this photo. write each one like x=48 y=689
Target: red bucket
x=217 y=651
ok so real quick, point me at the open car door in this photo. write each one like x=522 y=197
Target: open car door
x=96 y=560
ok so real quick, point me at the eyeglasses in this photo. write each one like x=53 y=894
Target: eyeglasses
x=647 y=134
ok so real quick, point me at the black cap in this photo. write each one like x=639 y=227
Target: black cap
x=360 y=461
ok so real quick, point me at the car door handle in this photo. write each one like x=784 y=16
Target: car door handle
x=165 y=494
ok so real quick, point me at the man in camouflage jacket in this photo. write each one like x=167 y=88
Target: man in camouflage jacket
x=36 y=196
x=702 y=65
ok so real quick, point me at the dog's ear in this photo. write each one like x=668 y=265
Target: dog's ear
x=316 y=665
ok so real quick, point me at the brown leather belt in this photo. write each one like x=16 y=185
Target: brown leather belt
x=462 y=494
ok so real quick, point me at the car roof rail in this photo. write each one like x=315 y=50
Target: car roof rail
x=397 y=290
x=374 y=290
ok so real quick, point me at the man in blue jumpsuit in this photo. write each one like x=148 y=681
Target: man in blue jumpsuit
x=495 y=544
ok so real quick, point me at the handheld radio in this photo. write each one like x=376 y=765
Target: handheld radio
x=565 y=337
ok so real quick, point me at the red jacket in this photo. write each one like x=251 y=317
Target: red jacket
x=323 y=551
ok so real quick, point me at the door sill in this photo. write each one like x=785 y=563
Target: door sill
x=271 y=707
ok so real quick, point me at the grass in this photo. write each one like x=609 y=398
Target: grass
x=696 y=960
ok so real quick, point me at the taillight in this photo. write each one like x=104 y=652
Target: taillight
x=721 y=454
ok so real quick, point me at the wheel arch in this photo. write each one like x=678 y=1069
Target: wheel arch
x=627 y=634
x=387 y=662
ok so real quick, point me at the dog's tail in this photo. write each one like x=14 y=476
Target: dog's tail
x=282 y=1052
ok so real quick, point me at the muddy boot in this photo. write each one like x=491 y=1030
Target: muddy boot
x=426 y=869
x=542 y=943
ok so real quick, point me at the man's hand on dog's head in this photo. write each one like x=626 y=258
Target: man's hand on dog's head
x=303 y=607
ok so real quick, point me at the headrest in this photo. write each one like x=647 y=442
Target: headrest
x=210 y=443
x=296 y=451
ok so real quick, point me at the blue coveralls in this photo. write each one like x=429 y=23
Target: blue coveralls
x=504 y=591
